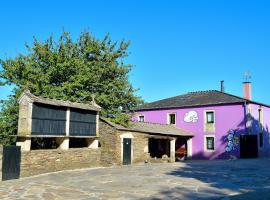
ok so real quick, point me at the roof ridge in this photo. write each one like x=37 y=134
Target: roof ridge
x=61 y=102
x=200 y=91
x=31 y=95
x=197 y=98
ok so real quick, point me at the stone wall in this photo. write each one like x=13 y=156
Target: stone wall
x=140 y=147
x=43 y=161
x=109 y=142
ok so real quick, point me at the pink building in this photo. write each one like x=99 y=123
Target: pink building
x=224 y=125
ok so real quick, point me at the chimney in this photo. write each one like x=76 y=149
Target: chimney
x=247 y=90
x=222 y=88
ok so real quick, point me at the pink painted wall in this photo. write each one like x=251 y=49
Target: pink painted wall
x=228 y=117
x=265 y=150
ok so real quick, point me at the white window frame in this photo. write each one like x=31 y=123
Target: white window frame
x=205 y=143
x=141 y=116
x=205 y=116
x=128 y=136
x=168 y=118
x=189 y=148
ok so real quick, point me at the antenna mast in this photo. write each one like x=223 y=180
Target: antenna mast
x=247 y=76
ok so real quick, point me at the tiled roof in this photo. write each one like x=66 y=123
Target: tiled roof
x=56 y=102
x=151 y=128
x=202 y=98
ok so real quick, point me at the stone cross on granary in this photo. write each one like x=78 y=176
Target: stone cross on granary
x=93 y=102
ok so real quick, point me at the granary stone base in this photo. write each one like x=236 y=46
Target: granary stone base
x=43 y=161
x=92 y=143
x=24 y=143
x=63 y=143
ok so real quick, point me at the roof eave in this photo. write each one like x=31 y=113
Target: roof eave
x=155 y=133
x=188 y=106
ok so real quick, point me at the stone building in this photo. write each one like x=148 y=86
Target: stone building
x=76 y=137
x=139 y=142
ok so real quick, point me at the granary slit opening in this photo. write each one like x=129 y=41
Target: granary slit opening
x=48 y=120
x=82 y=122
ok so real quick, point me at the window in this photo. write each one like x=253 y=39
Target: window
x=172 y=118
x=141 y=118
x=261 y=139
x=210 y=143
x=210 y=117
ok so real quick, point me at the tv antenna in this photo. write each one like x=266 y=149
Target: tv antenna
x=247 y=76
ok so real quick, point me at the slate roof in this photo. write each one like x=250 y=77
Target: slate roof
x=151 y=128
x=192 y=99
x=56 y=102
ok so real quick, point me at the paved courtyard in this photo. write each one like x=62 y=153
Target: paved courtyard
x=240 y=179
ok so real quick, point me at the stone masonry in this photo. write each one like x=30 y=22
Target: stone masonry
x=110 y=142
x=43 y=161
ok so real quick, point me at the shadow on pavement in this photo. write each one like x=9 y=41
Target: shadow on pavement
x=239 y=179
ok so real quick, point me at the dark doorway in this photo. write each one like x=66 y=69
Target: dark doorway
x=159 y=147
x=11 y=162
x=248 y=146
x=181 y=149
x=126 y=151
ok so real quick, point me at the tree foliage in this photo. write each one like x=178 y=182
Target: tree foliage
x=70 y=70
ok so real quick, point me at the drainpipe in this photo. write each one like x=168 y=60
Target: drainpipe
x=246 y=117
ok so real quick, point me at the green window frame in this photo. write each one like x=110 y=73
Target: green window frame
x=172 y=118
x=141 y=118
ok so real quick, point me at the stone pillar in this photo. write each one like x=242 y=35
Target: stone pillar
x=97 y=124
x=189 y=148
x=146 y=149
x=63 y=143
x=25 y=118
x=92 y=143
x=172 y=150
x=24 y=143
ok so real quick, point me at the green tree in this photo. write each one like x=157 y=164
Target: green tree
x=70 y=70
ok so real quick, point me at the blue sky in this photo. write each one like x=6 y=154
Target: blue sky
x=176 y=46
